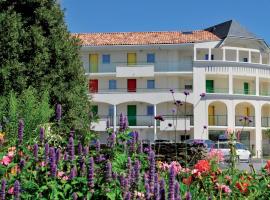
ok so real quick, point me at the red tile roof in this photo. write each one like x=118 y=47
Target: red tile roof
x=144 y=38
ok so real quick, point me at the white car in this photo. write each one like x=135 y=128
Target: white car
x=242 y=152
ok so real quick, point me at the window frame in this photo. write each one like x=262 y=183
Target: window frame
x=105 y=57
x=150 y=58
x=152 y=81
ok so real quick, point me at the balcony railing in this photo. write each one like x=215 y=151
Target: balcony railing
x=245 y=121
x=139 y=90
x=217 y=120
x=217 y=90
x=264 y=93
x=138 y=120
x=265 y=121
x=191 y=117
x=108 y=118
x=244 y=92
x=181 y=65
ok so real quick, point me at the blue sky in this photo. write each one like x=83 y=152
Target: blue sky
x=165 y=15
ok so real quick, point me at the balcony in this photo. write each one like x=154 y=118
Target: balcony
x=139 y=120
x=139 y=90
x=217 y=120
x=173 y=117
x=103 y=122
x=265 y=121
x=245 y=121
x=244 y=92
x=135 y=70
x=217 y=90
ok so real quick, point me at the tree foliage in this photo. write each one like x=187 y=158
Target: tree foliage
x=37 y=50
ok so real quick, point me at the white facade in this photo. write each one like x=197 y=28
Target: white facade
x=235 y=80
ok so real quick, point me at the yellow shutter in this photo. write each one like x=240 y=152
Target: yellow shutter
x=247 y=111
x=93 y=63
x=211 y=115
x=131 y=58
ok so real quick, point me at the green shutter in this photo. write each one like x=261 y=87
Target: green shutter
x=210 y=86
x=132 y=112
x=246 y=88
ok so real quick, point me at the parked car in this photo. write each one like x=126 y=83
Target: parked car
x=208 y=143
x=242 y=152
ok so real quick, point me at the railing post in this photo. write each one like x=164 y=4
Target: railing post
x=114 y=118
x=155 y=123
x=209 y=54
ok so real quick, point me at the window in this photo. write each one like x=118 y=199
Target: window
x=150 y=84
x=111 y=110
x=188 y=87
x=106 y=58
x=245 y=59
x=150 y=58
x=95 y=110
x=112 y=84
x=207 y=57
x=150 y=110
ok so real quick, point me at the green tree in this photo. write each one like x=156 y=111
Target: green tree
x=37 y=50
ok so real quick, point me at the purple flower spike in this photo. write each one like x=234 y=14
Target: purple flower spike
x=46 y=152
x=22 y=164
x=41 y=134
x=202 y=95
x=188 y=196
x=36 y=152
x=156 y=188
x=73 y=173
x=91 y=173
x=3 y=189
x=53 y=170
x=152 y=170
x=71 y=148
x=137 y=167
x=127 y=196
x=85 y=150
x=108 y=171
x=79 y=148
x=65 y=156
x=186 y=92
x=129 y=166
x=97 y=146
x=72 y=133
x=140 y=148
x=121 y=122
x=171 y=183
x=74 y=196
x=162 y=189
x=20 y=131
x=176 y=191
x=58 y=112
x=147 y=192
x=58 y=155
x=17 y=189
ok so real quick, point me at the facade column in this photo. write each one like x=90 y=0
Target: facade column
x=224 y=54
x=249 y=56
x=114 y=118
x=209 y=54
x=155 y=123
x=231 y=114
x=237 y=55
x=260 y=58
x=258 y=131
x=195 y=54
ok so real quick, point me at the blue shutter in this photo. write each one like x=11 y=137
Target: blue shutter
x=106 y=59
x=112 y=84
x=150 y=58
x=150 y=84
x=111 y=112
x=150 y=110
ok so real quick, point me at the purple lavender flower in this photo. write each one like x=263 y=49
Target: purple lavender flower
x=91 y=173
x=129 y=167
x=97 y=146
x=41 y=134
x=173 y=110
x=74 y=196
x=21 y=164
x=171 y=183
x=72 y=133
x=112 y=140
x=108 y=171
x=176 y=191
x=58 y=112
x=46 y=152
x=152 y=170
x=125 y=123
x=202 y=94
x=188 y=196
x=178 y=103
x=73 y=173
x=36 y=152
x=20 y=131
x=71 y=148
x=17 y=189
x=147 y=192
x=186 y=92
x=140 y=148
x=52 y=156
x=65 y=156
x=83 y=170
x=156 y=188
x=127 y=196
x=85 y=150
x=114 y=175
x=121 y=122
x=3 y=189
x=57 y=155
x=162 y=189
x=204 y=127
x=53 y=170
x=137 y=167
x=79 y=148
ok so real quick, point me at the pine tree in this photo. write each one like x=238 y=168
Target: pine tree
x=37 y=50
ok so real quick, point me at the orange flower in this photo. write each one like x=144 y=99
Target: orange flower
x=267 y=166
x=242 y=187
x=187 y=181
x=202 y=166
x=14 y=170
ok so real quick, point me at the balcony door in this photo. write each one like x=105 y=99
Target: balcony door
x=131 y=58
x=132 y=85
x=211 y=115
x=93 y=63
x=93 y=85
x=210 y=86
x=132 y=112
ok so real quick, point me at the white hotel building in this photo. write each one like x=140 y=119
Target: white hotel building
x=132 y=73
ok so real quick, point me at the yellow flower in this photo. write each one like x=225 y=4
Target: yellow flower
x=2 y=136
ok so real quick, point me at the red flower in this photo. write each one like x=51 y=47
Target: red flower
x=187 y=181
x=242 y=187
x=159 y=118
x=267 y=166
x=202 y=166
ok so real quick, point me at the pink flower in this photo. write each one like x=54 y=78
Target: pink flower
x=65 y=178
x=43 y=164
x=176 y=167
x=224 y=188
x=5 y=160
x=10 y=154
x=215 y=155
x=11 y=190
x=60 y=173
